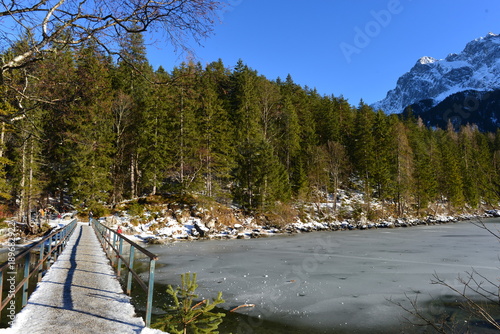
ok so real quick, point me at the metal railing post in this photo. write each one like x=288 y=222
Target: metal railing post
x=120 y=253
x=29 y=270
x=50 y=252
x=151 y=283
x=40 y=260
x=56 y=252
x=109 y=240
x=108 y=236
x=26 y=277
x=131 y=265
x=113 y=246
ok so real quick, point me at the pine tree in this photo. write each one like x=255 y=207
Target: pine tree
x=130 y=78
x=327 y=119
x=495 y=179
x=268 y=102
x=245 y=120
x=5 y=187
x=318 y=174
x=424 y=157
x=26 y=150
x=302 y=164
x=186 y=317
x=288 y=133
x=363 y=147
x=260 y=178
x=56 y=84
x=123 y=122
x=217 y=145
x=185 y=141
x=471 y=179
x=91 y=128
x=450 y=180
x=482 y=169
x=384 y=155
x=338 y=167
x=155 y=144
x=404 y=167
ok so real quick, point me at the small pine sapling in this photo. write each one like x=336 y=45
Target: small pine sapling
x=183 y=317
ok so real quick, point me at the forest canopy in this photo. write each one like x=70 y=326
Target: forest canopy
x=107 y=129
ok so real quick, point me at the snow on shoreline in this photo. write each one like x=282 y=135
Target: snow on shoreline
x=184 y=226
x=170 y=229
x=164 y=230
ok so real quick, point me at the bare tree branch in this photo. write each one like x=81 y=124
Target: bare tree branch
x=419 y=318
x=52 y=25
x=477 y=292
x=177 y=19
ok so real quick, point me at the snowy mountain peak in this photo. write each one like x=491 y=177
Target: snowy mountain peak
x=477 y=67
x=489 y=35
x=426 y=60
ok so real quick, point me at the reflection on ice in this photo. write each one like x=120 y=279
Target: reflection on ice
x=331 y=281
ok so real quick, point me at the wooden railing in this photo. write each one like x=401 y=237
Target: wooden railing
x=113 y=244
x=11 y=281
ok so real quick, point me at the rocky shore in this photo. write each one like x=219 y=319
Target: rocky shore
x=183 y=226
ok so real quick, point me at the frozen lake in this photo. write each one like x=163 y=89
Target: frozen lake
x=333 y=282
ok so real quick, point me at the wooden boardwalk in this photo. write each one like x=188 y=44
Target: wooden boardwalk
x=79 y=294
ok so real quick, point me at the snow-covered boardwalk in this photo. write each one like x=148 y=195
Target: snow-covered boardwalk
x=79 y=294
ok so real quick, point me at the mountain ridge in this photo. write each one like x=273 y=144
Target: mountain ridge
x=476 y=68
x=478 y=108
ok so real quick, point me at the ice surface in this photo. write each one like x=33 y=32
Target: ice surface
x=328 y=281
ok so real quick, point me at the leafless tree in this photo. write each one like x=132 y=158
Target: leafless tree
x=478 y=296
x=49 y=25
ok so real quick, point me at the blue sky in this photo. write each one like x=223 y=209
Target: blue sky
x=354 y=48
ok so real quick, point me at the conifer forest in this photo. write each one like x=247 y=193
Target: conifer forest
x=109 y=130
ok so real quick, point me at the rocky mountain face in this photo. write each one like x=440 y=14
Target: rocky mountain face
x=473 y=74
x=480 y=108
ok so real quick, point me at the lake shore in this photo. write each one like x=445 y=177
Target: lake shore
x=189 y=228
x=328 y=282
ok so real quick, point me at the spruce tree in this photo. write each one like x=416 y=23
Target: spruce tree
x=363 y=147
x=217 y=142
x=245 y=120
x=338 y=167
x=260 y=177
x=302 y=165
x=131 y=78
x=482 y=157
x=155 y=147
x=384 y=155
x=469 y=166
x=184 y=316
x=185 y=140
x=5 y=129
x=424 y=157
x=91 y=126
x=450 y=176
x=495 y=179
x=27 y=174
x=288 y=134
x=404 y=167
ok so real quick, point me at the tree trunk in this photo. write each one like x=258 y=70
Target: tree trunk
x=132 y=178
x=22 y=206
x=2 y=139
x=30 y=188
